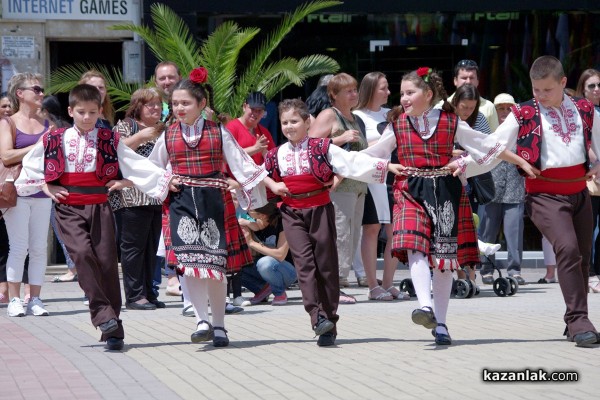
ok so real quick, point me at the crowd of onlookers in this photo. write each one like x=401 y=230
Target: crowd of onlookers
x=354 y=116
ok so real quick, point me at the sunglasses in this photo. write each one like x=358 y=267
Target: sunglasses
x=36 y=89
x=593 y=86
x=466 y=63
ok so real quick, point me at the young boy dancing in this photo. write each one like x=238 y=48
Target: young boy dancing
x=307 y=166
x=554 y=132
x=77 y=167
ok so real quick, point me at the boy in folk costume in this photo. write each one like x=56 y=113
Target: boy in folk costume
x=433 y=223
x=77 y=167
x=554 y=132
x=307 y=166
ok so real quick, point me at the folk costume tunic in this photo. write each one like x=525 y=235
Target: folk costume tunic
x=204 y=233
x=432 y=214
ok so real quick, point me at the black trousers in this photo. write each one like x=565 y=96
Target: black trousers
x=139 y=228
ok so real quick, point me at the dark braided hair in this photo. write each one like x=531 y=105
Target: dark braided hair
x=431 y=82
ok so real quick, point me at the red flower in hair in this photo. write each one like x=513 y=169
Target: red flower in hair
x=424 y=72
x=199 y=75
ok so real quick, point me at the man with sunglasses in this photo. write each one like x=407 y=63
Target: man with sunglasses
x=467 y=71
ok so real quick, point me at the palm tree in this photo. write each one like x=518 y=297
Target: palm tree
x=171 y=40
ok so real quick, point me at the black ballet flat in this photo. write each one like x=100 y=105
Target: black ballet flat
x=442 y=339
x=220 y=341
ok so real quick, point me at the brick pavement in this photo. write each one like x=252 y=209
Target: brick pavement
x=380 y=353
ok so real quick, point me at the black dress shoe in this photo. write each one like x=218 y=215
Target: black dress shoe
x=109 y=326
x=158 y=303
x=138 y=306
x=220 y=341
x=326 y=339
x=323 y=325
x=442 y=339
x=585 y=339
x=203 y=335
x=424 y=316
x=113 y=343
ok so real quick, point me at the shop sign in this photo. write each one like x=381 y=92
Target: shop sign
x=97 y=10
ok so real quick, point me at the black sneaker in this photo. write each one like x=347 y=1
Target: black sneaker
x=326 y=339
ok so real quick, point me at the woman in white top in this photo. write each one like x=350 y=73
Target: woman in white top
x=372 y=94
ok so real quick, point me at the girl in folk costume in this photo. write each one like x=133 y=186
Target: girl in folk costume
x=307 y=166
x=204 y=233
x=433 y=224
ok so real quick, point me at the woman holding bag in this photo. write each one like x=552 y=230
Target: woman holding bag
x=27 y=223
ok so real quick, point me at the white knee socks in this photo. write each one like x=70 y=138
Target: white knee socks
x=442 y=286
x=421 y=278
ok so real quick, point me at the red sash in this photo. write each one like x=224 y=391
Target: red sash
x=86 y=179
x=565 y=188
x=298 y=184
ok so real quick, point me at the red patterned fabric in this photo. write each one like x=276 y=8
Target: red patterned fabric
x=320 y=167
x=82 y=179
x=529 y=139
x=412 y=225
x=298 y=184
x=107 y=163
x=205 y=159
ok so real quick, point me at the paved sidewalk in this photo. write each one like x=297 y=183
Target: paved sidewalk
x=380 y=353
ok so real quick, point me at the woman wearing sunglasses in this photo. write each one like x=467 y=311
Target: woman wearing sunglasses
x=27 y=223
x=588 y=86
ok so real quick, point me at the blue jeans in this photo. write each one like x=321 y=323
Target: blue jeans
x=278 y=274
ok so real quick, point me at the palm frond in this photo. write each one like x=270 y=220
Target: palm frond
x=66 y=78
x=180 y=45
x=274 y=39
x=316 y=64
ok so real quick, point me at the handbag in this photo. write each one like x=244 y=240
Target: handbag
x=482 y=187
x=8 y=175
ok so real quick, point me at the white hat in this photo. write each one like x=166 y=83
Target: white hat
x=504 y=98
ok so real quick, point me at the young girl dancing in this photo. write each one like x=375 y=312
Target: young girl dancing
x=433 y=223
x=204 y=233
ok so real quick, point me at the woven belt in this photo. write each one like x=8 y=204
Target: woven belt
x=426 y=173
x=204 y=182
x=86 y=189
x=308 y=194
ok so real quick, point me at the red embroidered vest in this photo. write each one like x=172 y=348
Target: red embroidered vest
x=529 y=140
x=107 y=162
x=198 y=159
x=320 y=167
x=414 y=151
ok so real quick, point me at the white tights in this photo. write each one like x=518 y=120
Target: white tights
x=200 y=292
x=422 y=282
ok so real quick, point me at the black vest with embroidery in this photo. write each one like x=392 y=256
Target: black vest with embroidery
x=320 y=167
x=107 y=162
x=529 y=140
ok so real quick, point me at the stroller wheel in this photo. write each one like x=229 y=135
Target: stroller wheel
x=514 y=285
x=463 y=288
x=406 y=285
x=501 y=287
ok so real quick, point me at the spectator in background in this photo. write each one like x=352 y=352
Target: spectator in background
x=505 y=210
x=139 y=216
x=6 y=109
x=27 y=223
x=166 y=76
x=97 y=79
x=339 y=124
x=318 y=100
x=588 y=86
x=273 y=270
x=254 y=138
x=467 y=71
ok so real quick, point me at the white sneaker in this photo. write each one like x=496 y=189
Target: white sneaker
x=241 y=301
x=36 y=307
x=15 y=308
